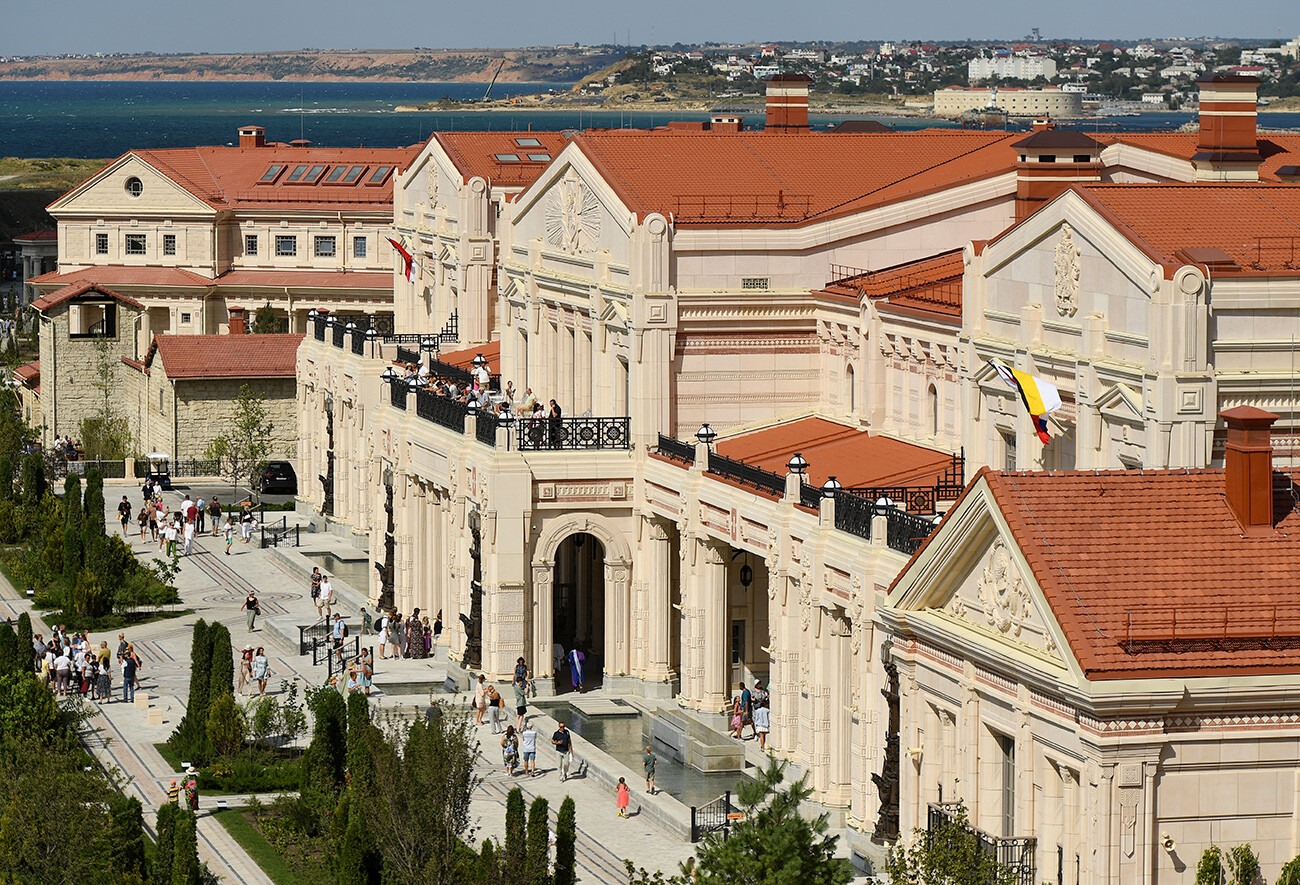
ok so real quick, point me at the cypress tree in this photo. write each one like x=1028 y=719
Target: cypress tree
x=488 y=862
x=516 y=833
x=323 y=765
x=221 y=664
x=6 y=479
x=200 y=672
x=359 y=862
x=126 y=836
x=93 y=536
x=73 y=529
x=360 y=764
x=10 y=654
x=33 y=481
x=566 y=837
x=163 y=851
x=539 y=822
x=25 y=640
x=185 y=850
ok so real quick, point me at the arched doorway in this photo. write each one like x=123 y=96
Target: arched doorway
x=578 y=611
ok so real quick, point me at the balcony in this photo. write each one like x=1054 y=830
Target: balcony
x=573 y=434
x=1015 y=854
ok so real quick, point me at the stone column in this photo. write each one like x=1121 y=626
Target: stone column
x=715 y=648
x=543 y=611
x=653 y=623
x=618 y=649
x=403 y=585
x=783 y=618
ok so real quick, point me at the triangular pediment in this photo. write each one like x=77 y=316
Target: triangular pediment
x=572 y=208
x=107 y=194
x=971 y=584
x=1122 y=402
x=614 y=314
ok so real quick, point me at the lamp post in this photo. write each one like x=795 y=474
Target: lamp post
x=797 y=465
x=830 y=487
x=706 y=435
x=389 y=375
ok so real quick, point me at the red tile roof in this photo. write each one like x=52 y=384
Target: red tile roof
x=854 y=457
x=225 y=356
x=1278 y=149
x=119 y=275
x=932 y=284
x=474 y=154
x=28 y=373
x=307 y=279
x=1255 y=225
x=228 y=177
x=76 y=290
x=768 y=179
x=1149 y=574
x=40 y=236
x=464 y=358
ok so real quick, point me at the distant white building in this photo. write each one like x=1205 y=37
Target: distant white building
x=1006 y=67
x=1292 y=48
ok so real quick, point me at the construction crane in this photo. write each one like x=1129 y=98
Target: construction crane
x=494 y=79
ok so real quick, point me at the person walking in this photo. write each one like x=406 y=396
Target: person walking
x=437 y=627
x=366 y=625
x=246 y=523
x=135 y=659
x=622 y=796
x=480 y=699
x=367 y=670
x=188 y=534
x=192 y=788
x=174 y=793
x=230 y=533
x=124 y=514
x=261 y=669
x=200 y=515
x=649 y=764
x=563 y=743
x=214 y=512
x=576 y=674
x=251 y=609
x=315 y=590
x=104 y=679
x=494 y=707
x=528 y=748
x=521 y=701
x=762 y=724
x=737 y=718
x=382 y=629
x=128 y=676
x=153 y=520
x=245 y=669
x=326 y=596
x=747 y=709
x=510 y=751
x=143 y=521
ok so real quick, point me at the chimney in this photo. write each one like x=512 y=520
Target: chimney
x=252 y=137
x=1041 y=123
x=1248 y=463
x=238 y=326
x=787 y=103
x=1049 y=162
x=1227 y=147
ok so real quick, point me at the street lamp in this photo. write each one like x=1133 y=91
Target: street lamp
x=313 y=314
x=478 y=361
x=389 y=375
x=830 y=487
x=350 y=328
x=797 y=465
x=427 y=343
x=706 y=434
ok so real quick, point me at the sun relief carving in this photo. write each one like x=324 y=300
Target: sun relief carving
x=1002 y=592
x=1067 y=273
x=573 y=216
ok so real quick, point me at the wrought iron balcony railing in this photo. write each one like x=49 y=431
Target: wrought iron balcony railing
x=540 y=434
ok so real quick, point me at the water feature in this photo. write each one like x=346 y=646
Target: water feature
x=625 y=737
x=353 y=572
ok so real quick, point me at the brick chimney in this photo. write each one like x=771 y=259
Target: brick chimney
x=252 y=137
x=238 y=325
x=1049 y=162
x=1227 y=146
x=787 y=103
x=1248 y=462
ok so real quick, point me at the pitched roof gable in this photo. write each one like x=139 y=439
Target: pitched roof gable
x=225 y=356
x=80 y=289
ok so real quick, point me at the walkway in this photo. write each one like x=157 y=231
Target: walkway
x=214 y=586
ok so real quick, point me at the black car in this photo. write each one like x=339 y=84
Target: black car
x=278 y=478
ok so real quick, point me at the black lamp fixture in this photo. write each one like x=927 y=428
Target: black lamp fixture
x=478 y=361
x=797 y=465
x=830 y=487
x=389 y=375
x=746 y=573
x=427 y=343
x=579 y=539
x=706 y=434
x=313 y=314
x=351 y=327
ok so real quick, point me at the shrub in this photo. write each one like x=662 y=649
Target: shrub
x=11 y=520
x=566 y=835
x=1243 y=862
x=73 y=529
x=1290 y=874
x=225 y=725
x=1209 y=871
x=221 y=661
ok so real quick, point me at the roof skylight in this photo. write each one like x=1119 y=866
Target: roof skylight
x=540 y=158
x=528 y=142
x=271 y=173
x=507 y=158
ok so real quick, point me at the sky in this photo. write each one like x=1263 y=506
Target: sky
x=87 y=26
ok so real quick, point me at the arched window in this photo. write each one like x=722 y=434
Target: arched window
x=932 y=410
x=850 y=390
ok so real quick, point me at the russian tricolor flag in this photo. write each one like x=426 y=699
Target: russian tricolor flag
x=1040 y=396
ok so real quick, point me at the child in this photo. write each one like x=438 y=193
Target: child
x=623 y=797
x=365 y=622
x=230 y=533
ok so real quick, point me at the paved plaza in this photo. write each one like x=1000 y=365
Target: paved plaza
x=214 y=586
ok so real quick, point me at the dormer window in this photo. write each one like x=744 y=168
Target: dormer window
x=271 y=174
x=378 y=176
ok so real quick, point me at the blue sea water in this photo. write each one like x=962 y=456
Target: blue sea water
x=106 y=118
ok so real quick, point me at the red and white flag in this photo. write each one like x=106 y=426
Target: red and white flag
x=407 y=257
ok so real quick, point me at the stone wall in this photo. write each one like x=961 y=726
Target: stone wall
x=206 y=408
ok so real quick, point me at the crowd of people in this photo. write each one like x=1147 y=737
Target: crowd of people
x=70 y=665
x=174 y=530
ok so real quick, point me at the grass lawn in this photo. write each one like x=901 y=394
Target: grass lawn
x=262 y=852
x=169 y=755
x=272 y=771
x=57 y=173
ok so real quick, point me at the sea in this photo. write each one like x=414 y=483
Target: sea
x=105 y=118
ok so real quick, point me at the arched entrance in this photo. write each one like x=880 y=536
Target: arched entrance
x=579 y=598
x=578 y=612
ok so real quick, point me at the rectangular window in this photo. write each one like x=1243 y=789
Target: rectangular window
x=1082 y=158
x=169 y=244
x=507 y=158
x=1008 y=449
x=297 y=173
x=185 y=319
x=358 y=247
x=325 y=247
x=353 y=174
x=286 y=247
x=160 y=402
x=250 y=244
x=271 y=174
x=335 y=174
x=1007 y=746
x=101 y=244
x=378 y=176
x=540 y=158
x=528 y=142
x=1047 y=158
x=135 y=244
x=754 y=282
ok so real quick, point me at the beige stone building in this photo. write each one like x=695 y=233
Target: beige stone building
x=1049 y=101
x=1099 y=665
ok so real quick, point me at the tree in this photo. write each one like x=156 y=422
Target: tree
x=1209 y=871
x=566 y=837
x=538 y=845
x=225 y=725
x=773 y=844
x=11 y=657
x=267 y=322
x=361 y=768
x=25 y=639
x=73 y=529
x=185 y=850
x=126 y=837
x=949 y=853
x=191 y=734
x=1243 y=863
x=324 y=762
x=242 y=451
x=106 y=436
x=164 y=850
x=6 y=478
x=221 y=661
x=93 y=537
x=516 y=830
x=33 y=481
